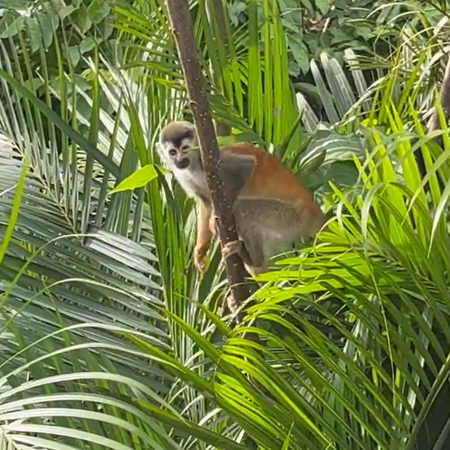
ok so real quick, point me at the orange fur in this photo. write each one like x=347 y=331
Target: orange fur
x=271 y=208
x=270 y=180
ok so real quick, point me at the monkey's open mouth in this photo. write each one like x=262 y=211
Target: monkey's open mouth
x=182 y=164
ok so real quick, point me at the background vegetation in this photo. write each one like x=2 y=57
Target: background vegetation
x=108 y=336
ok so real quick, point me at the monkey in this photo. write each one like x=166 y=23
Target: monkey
x=272 y=208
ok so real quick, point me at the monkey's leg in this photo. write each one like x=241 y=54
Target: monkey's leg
x=250 y=245
x=249 y=261
x=266 y=227
x=239 y=247
x=233 y=247
x=253 y=251
x=229 y=249
x=204 y=236
x=212 y=225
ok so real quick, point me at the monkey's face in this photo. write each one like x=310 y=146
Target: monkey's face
x=175 y=144
x=177 y=153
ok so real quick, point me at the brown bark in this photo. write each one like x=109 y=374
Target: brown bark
x=182 y=29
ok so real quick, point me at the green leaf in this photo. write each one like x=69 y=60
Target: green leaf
x=66 y=11
x=87 y=45
x=35 y=34
x=48 y=23
x=82 y=18
x=235 y=138
x=300 y=54
x=14 y=211
x=322 y=5
x=137 y=179
x=13 y=28
x=98 y=10
x=74 y=55
x=60 y=123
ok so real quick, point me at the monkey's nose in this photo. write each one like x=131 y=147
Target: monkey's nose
x=182 y=163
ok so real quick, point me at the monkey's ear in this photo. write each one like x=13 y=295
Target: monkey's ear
x=236 y=170
x=161 y=155
x=160 y=151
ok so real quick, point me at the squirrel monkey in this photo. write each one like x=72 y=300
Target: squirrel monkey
x=272 y=209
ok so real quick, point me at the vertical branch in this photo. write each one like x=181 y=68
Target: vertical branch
x=181 y=24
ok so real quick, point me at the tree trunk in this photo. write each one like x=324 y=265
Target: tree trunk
x=181 y=24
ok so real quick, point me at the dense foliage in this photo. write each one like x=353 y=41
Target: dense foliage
x=109 y=337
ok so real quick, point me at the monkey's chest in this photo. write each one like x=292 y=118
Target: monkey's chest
x=193 y=183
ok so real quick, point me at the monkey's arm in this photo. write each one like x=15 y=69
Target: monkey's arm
x=236 y=170
x=204 y=235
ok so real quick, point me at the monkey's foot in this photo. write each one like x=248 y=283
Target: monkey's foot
x=200 y=266
x=231 y=302
x=199 y=259
x=231 y=248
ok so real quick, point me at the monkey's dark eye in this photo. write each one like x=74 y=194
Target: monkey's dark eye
x=172 y=152
x=185 y=147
